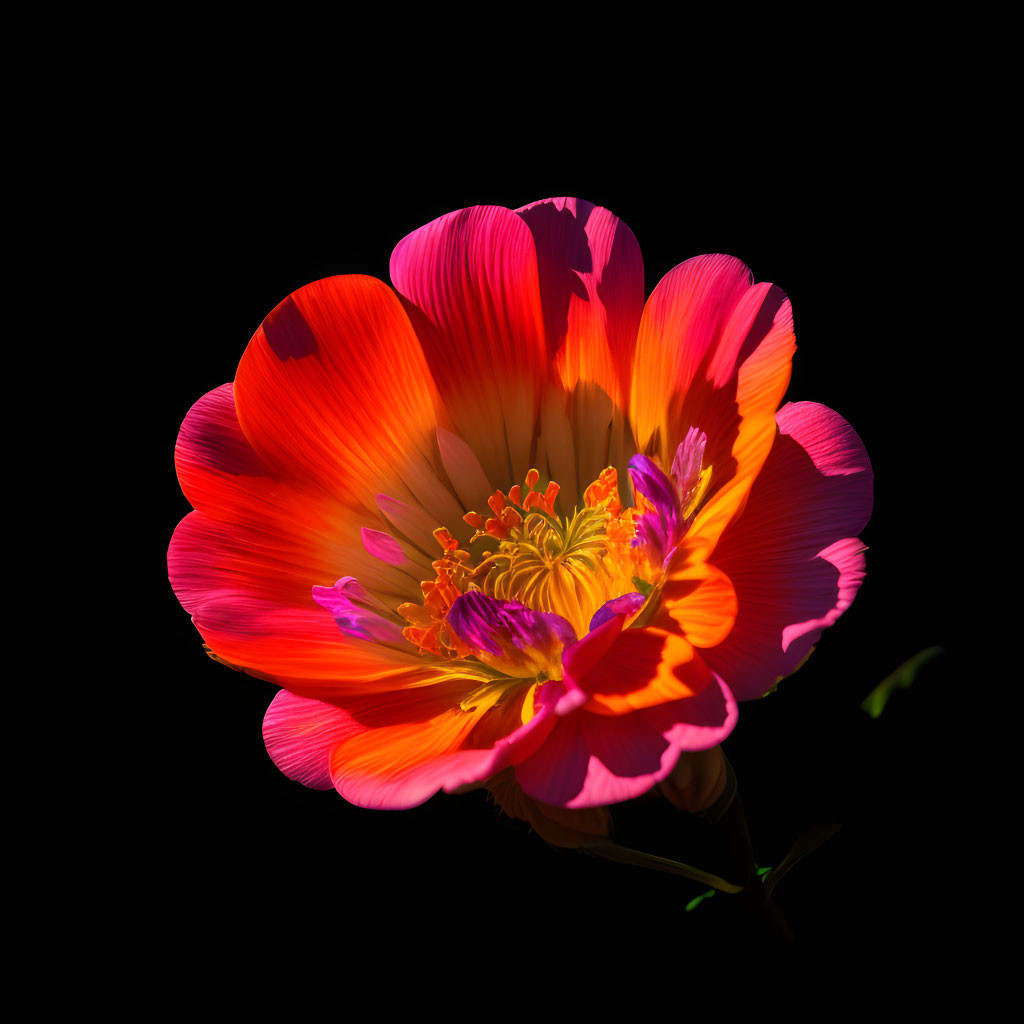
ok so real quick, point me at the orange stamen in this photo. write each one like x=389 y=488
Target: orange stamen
x=428 y=628
x=605 y=491
x=497 y=502
x=510 y=518
x=495 y=529
x=445 y=539
x=550 y=493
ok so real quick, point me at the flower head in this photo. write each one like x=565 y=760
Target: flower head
x=509 y=524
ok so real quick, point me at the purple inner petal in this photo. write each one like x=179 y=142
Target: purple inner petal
x=661 y=530
x=628 y=604
x=687 y=464
x=351 y=606
x=490 y=625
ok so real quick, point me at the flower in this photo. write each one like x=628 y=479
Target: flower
x=510 y=525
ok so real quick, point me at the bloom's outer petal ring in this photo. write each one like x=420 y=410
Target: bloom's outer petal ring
x=591 y=276
x=290 y=535
x=244 y=614
x=334 y=389
x=468 y=281
x=366 y=774
x=714 y=351
x=589 y=760
x=793 y=556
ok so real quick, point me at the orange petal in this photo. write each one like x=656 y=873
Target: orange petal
x=624 y=670
x=713 y=352
x=696 y=599
x=423 y=740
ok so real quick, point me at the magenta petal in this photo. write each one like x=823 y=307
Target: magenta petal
x=383 y=546
x=847 y=558
x=211 y=445
x=838 y=455
x=353 y=610
x=793 y=556
x=709 y=718
x=555 y=774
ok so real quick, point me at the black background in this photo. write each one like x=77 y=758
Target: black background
x=844 y=222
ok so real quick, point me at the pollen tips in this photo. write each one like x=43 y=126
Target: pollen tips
x=474 y=519
x=531 y=479
x=414 y=613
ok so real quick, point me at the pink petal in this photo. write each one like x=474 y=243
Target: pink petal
x=300 y=735
x=357 y=614
x=469 y=283
x=793 y=556
x=383 y=546
x=590 y=759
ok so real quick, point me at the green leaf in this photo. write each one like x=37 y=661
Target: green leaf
x=902 y=679
x=698 y=900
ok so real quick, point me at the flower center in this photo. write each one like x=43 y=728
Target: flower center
x=526 y=553
x=554 y=565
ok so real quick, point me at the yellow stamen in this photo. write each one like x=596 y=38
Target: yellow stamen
x=567 y=565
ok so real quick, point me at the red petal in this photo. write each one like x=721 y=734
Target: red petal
x=334 y=389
